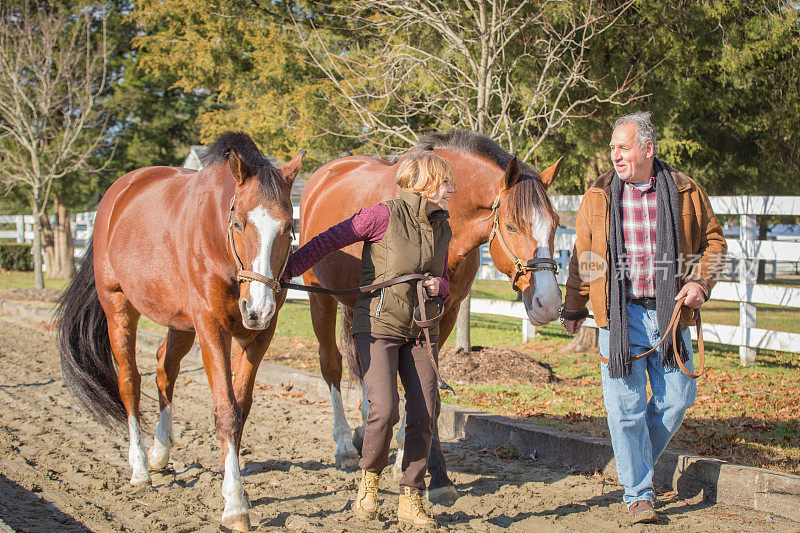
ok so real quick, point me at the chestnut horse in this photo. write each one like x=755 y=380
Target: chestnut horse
x=496 y=199
x=172 y=244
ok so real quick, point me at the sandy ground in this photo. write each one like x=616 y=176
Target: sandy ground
x=60 y=471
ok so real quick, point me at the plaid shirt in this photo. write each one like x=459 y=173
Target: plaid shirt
x=639 y=210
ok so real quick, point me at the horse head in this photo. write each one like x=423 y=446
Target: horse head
x=260 y=231
x=522 y=238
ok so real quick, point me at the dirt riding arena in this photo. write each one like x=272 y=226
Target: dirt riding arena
x=60 y=471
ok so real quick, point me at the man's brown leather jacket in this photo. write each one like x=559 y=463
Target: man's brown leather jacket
x=702 y=248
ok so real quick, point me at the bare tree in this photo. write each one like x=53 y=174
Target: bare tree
x=516 y=71
x=52 y=71
x=513 y=70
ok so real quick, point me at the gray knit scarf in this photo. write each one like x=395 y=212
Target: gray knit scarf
x=666 y=262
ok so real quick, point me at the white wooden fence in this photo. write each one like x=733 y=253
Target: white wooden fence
x=745 y=252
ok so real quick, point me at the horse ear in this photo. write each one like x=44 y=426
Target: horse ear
x=290 y=169
x=512 y=173
x=549 y=174
x=240 y=170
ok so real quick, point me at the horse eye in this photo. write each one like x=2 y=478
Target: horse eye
x=237 y=226
x=511 y=228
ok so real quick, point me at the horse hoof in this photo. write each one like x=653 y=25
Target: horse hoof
x=447 y=495
x=239 y=522
x=347 y=463
x=346 y=460
x=156 y=464
x=141 y=480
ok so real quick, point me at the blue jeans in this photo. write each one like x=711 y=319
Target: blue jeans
x=640 y=430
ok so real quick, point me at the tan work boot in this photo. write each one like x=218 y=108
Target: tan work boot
x=410 y=510
x=366 y=504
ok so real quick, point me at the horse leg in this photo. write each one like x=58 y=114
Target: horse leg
x=323 y=318
x=401 y=441
x=175 y=346
x=123 y=320
x=358 y=432
x=215 y=343
x=441 y=489
x=246 y=359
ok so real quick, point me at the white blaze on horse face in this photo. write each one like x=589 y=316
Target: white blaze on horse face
x=137 y=456
x=232 y=487
x=262 y=299
x=546 y=299
x=159 y=453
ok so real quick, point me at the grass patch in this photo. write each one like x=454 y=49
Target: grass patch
x=767 y=316
x=24 y=280
x=494 y=290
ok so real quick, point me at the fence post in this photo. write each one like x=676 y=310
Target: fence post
x=748 y=275
x=20 y=228
x=528 y=330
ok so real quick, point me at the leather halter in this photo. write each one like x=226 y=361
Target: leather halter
x=520 y=267
x=243 y=275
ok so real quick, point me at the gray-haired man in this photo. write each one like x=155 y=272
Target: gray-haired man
x=657 y=240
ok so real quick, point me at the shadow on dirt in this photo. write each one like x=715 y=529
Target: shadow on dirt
x=23 y=510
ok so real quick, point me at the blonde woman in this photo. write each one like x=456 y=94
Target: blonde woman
x=406 y=235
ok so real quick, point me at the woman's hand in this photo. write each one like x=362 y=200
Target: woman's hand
x=432 y=286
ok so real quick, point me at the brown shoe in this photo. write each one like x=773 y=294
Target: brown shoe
x=366 y=505
x=642 y=512
x=410 y=510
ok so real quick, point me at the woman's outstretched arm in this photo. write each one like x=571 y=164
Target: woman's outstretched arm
x=368 y=225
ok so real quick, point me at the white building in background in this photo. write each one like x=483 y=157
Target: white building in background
x=194 y=160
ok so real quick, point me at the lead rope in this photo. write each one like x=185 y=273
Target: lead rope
x=672 y=329
x=425 y=324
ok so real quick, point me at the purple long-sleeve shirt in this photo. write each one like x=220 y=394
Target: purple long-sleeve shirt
x=368 y=225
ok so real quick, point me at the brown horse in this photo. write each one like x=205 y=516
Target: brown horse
x=171 y=244
x=494 y=192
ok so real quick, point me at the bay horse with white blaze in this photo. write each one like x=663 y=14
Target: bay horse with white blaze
x=172 y=244
x=497 y=200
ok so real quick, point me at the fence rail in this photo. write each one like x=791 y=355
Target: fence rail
x=744 y=254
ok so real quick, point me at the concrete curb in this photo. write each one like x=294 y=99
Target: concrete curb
x=690 y=475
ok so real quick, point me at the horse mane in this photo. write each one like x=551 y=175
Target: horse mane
x=528 y=199
x=245 y=148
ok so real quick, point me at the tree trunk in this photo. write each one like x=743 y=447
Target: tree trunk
x=593 y=170
x=49 y=256
x=64 y=248
x=583 y=342
x=38 y=278
x=462 y=325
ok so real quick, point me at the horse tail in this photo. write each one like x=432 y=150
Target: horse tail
x=87 y=362
x=346 y=343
